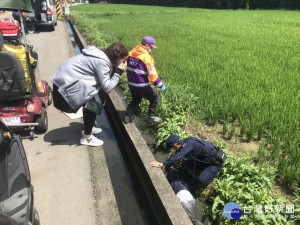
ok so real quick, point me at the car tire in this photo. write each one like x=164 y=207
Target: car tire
x=30 y=28
x=42 y=121
x=49 y=95
x=52 y=27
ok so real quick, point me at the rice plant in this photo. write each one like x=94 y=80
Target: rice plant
x=240 y=67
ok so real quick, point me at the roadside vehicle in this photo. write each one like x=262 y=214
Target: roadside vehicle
x=24 y=98
x=44 y=15
x=16 y=191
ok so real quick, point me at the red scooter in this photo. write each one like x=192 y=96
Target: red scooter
x=23 y=99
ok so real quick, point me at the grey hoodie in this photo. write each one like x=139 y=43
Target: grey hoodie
x=81 y=77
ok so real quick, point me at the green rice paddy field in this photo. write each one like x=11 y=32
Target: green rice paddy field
x=237 y=68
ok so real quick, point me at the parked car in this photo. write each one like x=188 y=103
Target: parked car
x=86 y=2
x=44 y=14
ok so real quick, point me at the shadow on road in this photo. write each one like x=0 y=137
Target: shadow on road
x=65 y=135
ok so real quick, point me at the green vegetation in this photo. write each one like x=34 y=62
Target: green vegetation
x=250 y=187
x=217 y=4
x=236 y=68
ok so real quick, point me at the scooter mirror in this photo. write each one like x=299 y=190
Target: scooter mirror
x=4 y=139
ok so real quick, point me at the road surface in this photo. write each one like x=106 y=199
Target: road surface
x=60 y=167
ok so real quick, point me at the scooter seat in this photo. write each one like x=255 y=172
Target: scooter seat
x=12 y=77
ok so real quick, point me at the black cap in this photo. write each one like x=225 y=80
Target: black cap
x=171 y=141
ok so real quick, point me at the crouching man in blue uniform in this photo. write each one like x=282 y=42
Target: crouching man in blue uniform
x=199 y=154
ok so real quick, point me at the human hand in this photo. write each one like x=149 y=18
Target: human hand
x=122 y=66
x=156 y=164
x=163 y=88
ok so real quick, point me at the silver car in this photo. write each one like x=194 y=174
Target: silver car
x=44 y=15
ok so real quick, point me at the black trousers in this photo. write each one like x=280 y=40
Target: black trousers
x=89 y=119
x=60 y=103
x=137 y=96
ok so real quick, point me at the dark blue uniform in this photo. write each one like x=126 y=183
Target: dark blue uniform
x=194 y=146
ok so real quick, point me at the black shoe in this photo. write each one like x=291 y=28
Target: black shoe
x=128 y=119
x=154 y=119
x=137 y=111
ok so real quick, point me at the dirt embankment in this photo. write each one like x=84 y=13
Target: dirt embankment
x=237 y=145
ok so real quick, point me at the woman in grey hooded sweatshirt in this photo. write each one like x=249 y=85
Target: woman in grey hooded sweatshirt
x=81 y=77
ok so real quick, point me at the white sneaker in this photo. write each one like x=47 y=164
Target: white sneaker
x=91 y=141
x=154 y=119
x=95 y=130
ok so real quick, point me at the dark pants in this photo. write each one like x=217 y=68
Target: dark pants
x=60 y=103
x=89 y=119
x=176 y=181
x=147 y=93
x=206 y=172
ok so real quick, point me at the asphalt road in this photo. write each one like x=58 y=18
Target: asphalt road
x=60 y=167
